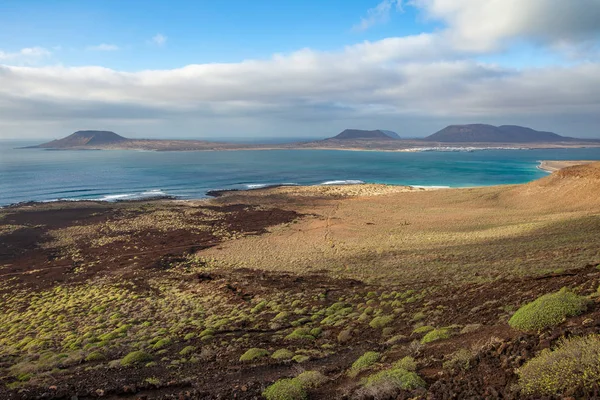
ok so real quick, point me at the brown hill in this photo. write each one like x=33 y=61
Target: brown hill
x=571 y=188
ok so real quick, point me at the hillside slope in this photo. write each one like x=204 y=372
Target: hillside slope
x=352 y=134
x=494 y=134
x=85 y=138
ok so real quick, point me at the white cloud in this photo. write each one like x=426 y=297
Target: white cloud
x=104 y=47
x=483 y=25
x=28 y=54
x=159 y=40
x=379 y=14
x=303 y=85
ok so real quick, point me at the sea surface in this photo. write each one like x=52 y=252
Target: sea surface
x=47 y=175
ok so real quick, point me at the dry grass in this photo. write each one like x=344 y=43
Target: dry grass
x=460 y=235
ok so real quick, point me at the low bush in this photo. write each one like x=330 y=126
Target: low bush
x=364 y=362
x=300 y=334
x=95 y=356
x=574 y=366
x=285 y=389
x=135 y=357
x=311 y=379
x=300 y=358
x=282 y=354
x=187 y=350
x=423 y=329
x=408 y=363
x=381 y=322
x=436 y=334
x=253 y=354
x=548 y=310
x=161 y=343
x=386 y=384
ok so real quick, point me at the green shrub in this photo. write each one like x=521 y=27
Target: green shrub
x=161 y=343
x=548 y=310
x=395 y=339
x=285 y=389
x=136 y=357
x=311 y=379
x=408 y=363
x=574 y=365
x=300 y=334
x=300 y=358
x=423 y=329
x=259 y=307
x=386 y=384
x=381 y=322
x=364 y=362
x=315 y=332
x=281 y=315
x=187 y=350
x=419 y=316
x=436 y=334
x=206 y=332
x=95 y=356
x=282 y=354
x=253 y=354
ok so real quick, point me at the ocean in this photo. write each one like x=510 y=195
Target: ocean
x=46 y=175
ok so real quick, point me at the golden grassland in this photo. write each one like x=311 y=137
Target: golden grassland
x=439 y=236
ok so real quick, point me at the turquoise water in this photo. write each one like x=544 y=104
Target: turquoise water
x=42 y=175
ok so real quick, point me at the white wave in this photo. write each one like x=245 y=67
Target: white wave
x=430 y=187
x=111 y=197
x=264 y=185
x=154 y=192
x=343 y=182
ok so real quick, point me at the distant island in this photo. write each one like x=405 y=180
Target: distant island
x=453 y=137
x=362 y=134
x=495 y=134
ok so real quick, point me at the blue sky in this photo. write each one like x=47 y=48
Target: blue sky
x=297 y=68
x=195 y=31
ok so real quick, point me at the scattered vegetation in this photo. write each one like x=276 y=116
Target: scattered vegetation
x=286 y=389
x=311 y=379
x=436 y=334
x=136 y=357
x=282 y=354
x=387 y=383
x=254 y=353
x=548 y=310
x=381 y=322
x=574 y=366
x=364 y=362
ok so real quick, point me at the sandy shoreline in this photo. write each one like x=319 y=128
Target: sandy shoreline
x=552 y=166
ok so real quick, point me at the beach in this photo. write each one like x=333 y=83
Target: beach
x=551 y=166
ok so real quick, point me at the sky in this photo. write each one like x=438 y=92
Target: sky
x=269 y=68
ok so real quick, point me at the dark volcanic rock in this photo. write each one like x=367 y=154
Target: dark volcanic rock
x=494 y=134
